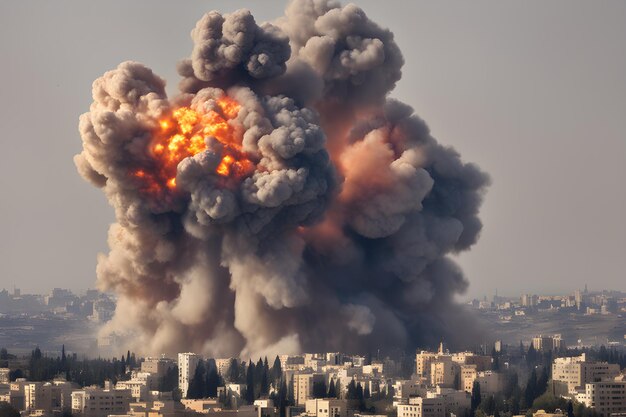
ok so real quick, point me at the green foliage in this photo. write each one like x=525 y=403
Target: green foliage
x=332 y=392
x=197 y=385
x=169 y=382
x=488 y=405
x=7 y=410
x=250 y=396
x=234 y=374
x=83 y=372
x=319 y=389
x=205 y=381
x=549 y=402
x=476 y=397
x=276 y=373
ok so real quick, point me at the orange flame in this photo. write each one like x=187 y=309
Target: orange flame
x=182 y=134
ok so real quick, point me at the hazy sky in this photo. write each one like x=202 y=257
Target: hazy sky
x=532 y=91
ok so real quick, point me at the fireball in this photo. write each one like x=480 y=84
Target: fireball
x=182 y=134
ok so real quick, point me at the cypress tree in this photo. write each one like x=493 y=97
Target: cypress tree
x=332 y=392
x=250 y=397
x=476 y=398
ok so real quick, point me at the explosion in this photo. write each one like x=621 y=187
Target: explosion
x=182 y=134
x=282 y=201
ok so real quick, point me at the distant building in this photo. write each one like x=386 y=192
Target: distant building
x=187 y=363
x=223 y=365
x=490 y=383
x=607 y=397
x=203 y=406
x=303 y=386
x=326 y=407
x=98 y=402
x=4 y=375
x=547 y=343
x=422 y=407
x=443 y=372
x=572 y=373
x=455 y=402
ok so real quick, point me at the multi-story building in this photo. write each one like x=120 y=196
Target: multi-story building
x=422 y=363
x=157 y=367
x=456 y=402
x=223 y=365
x=187 y=363
x=490 y=382
x=4 y=376
x=138 y=389
x=303 y=386
x=404 y=389
x=38 y=396
x=468 y=374
x=422 y=407
x=606 y=397
x=443 y=372
x=547 y=343
x=98 y=402
x=16 y=390
x=572 y=373
x=326 y=407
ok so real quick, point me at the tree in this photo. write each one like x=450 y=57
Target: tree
x=232 y=375
x=250 y=397
x=265 y=378
x=212 y=380
x=542 y=382
x=391 y=392
x=488 y=405
x=197 y=385
x=476 y=398
x=276 y=372
x=570 y=409
x=531 y=356
x=7 y=410
x=319 y=389
x=530 y=393
x=332 y=392
x=169 y=382
x=351 y=393
x=360 y=397
x=282 y=400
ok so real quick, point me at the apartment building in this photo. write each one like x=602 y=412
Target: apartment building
x=422 y=407
x=187 y=363
x=303 y=386
x=98 y=402
x=606 y=397
x=326 y=407
x=572 y=373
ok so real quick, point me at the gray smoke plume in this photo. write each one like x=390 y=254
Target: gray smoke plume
x=306 y=209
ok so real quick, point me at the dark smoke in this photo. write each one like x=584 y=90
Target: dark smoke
x=337 y=240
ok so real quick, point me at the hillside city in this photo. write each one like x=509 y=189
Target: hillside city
x=576 y=374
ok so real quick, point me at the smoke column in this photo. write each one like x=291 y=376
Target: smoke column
x=281 y=202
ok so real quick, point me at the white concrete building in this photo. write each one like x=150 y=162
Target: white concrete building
x=326 y=407
x=98 y=402
x=422 y=407
x=303 y=386
x=606 y=397
x=187 y=363
x=572 y=373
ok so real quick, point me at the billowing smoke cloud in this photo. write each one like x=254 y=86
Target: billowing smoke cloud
x=281 y=202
